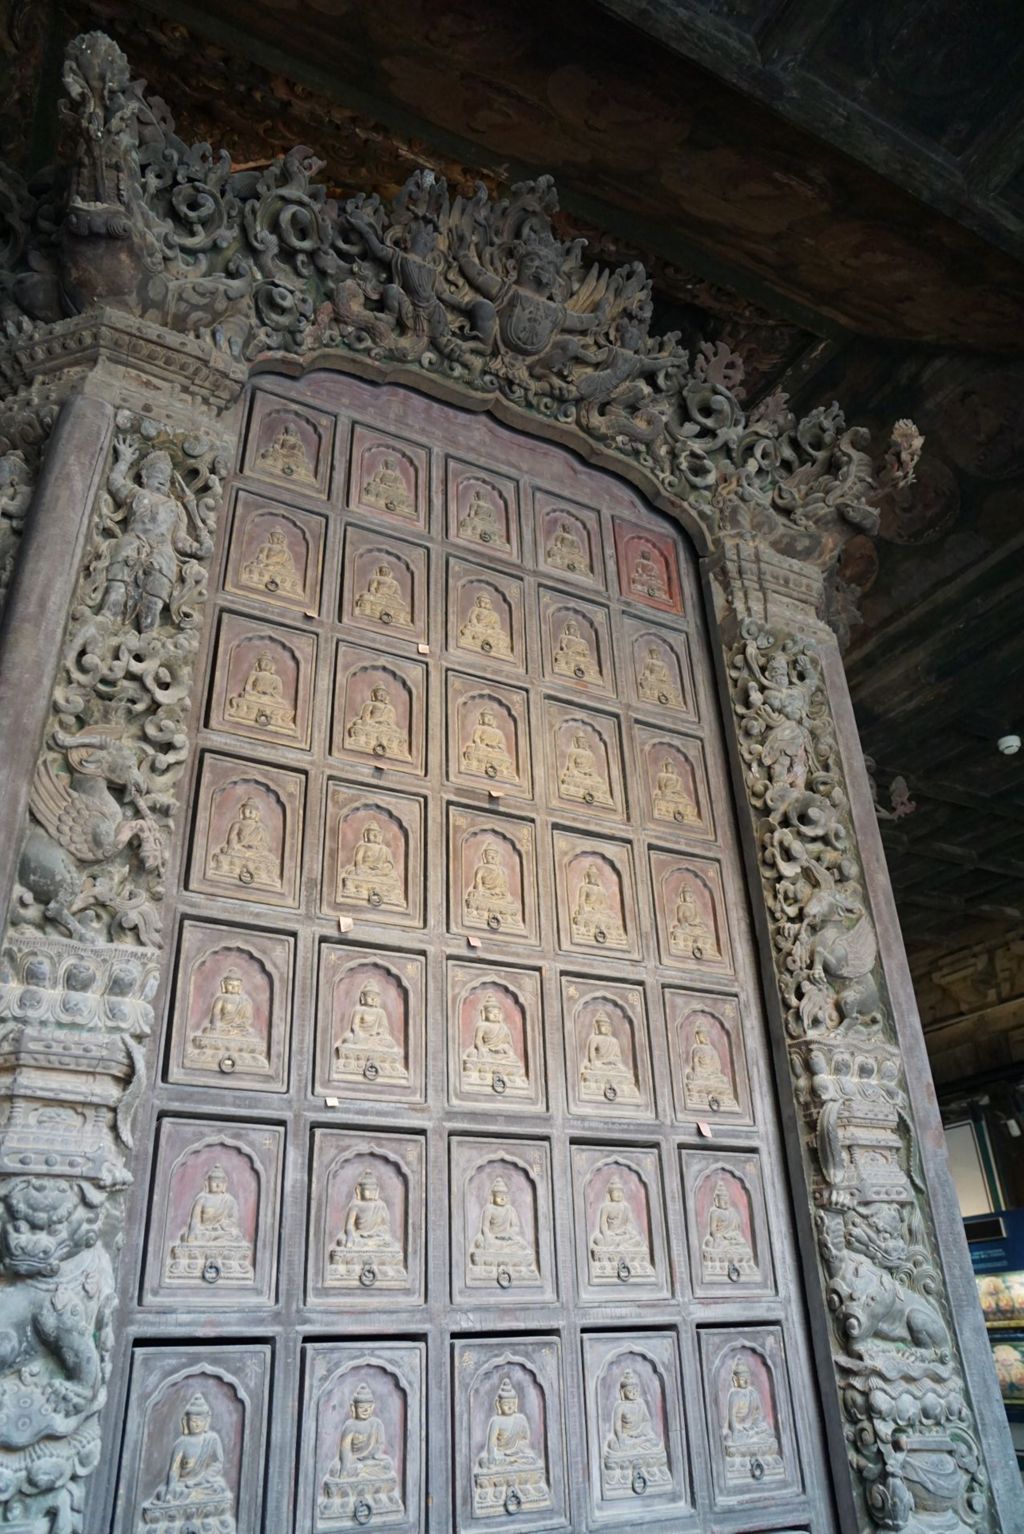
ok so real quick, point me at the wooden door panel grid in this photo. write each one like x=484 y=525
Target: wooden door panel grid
x=464 y=1153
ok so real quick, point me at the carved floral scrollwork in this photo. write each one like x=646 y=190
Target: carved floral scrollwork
x=908 y=1424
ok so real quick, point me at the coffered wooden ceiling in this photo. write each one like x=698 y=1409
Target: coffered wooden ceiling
x=848 y=224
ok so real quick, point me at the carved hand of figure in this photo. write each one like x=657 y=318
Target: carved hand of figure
x=126 y=451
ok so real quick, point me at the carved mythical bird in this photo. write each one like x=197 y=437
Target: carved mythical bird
x=78 y=820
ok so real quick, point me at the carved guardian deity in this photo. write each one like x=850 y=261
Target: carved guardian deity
x=362 y=1483
x=212 y=1247
x=159 y=530
x=509 y=1475
x=195 y=1494
x=635 y=1460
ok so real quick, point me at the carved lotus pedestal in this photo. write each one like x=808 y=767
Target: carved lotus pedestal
x=209 y=1515
x=510 y=1491
x=379 y=1269
x=634 y=1474
x=355 y=1502
x=227 y=1264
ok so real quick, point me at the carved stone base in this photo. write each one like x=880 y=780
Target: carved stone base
x=507 y=1080
x=732 y=1265
x=609 y=1086
x=352 y=1064
x=206 y=1050
x=353 y=1502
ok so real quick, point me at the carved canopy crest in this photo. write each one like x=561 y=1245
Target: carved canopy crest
x=482 y=294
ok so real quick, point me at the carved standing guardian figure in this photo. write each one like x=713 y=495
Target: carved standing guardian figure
x=145 y=560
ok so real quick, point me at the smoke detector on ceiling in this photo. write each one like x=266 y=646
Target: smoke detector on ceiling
x=1009 y=745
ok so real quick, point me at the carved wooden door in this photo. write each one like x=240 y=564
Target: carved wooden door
x=466 y=1206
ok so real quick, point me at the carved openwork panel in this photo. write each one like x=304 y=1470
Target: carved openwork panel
x=674 y=779
x=366 y=1219
x=194 y=1440
x=727 y=1225
x=232 y=1008
x=510 y=1455
x=388 y=476
x=492 y=864
x=213 y=1228
x=569 y=540
x=607 y=1048
x=648 y=566
x=483 y=509
x=262 y=683
x=501 y=1222
x=495 y=1037
x=637 y=1452
x=620 y=1224
x=749 y=1416
x=372 y=857
x=486 y=617
x=380 y=704
x=362 y=1460
x=369 y=1025
x=584 y=760
x=489 y=736
x=247 y=843
x=384 y=586
x=290 y=444
x=576 y=643
x=660 y=671
x=275 y=554
x=596 y=895
x=689 y=905
x=708 y=1056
